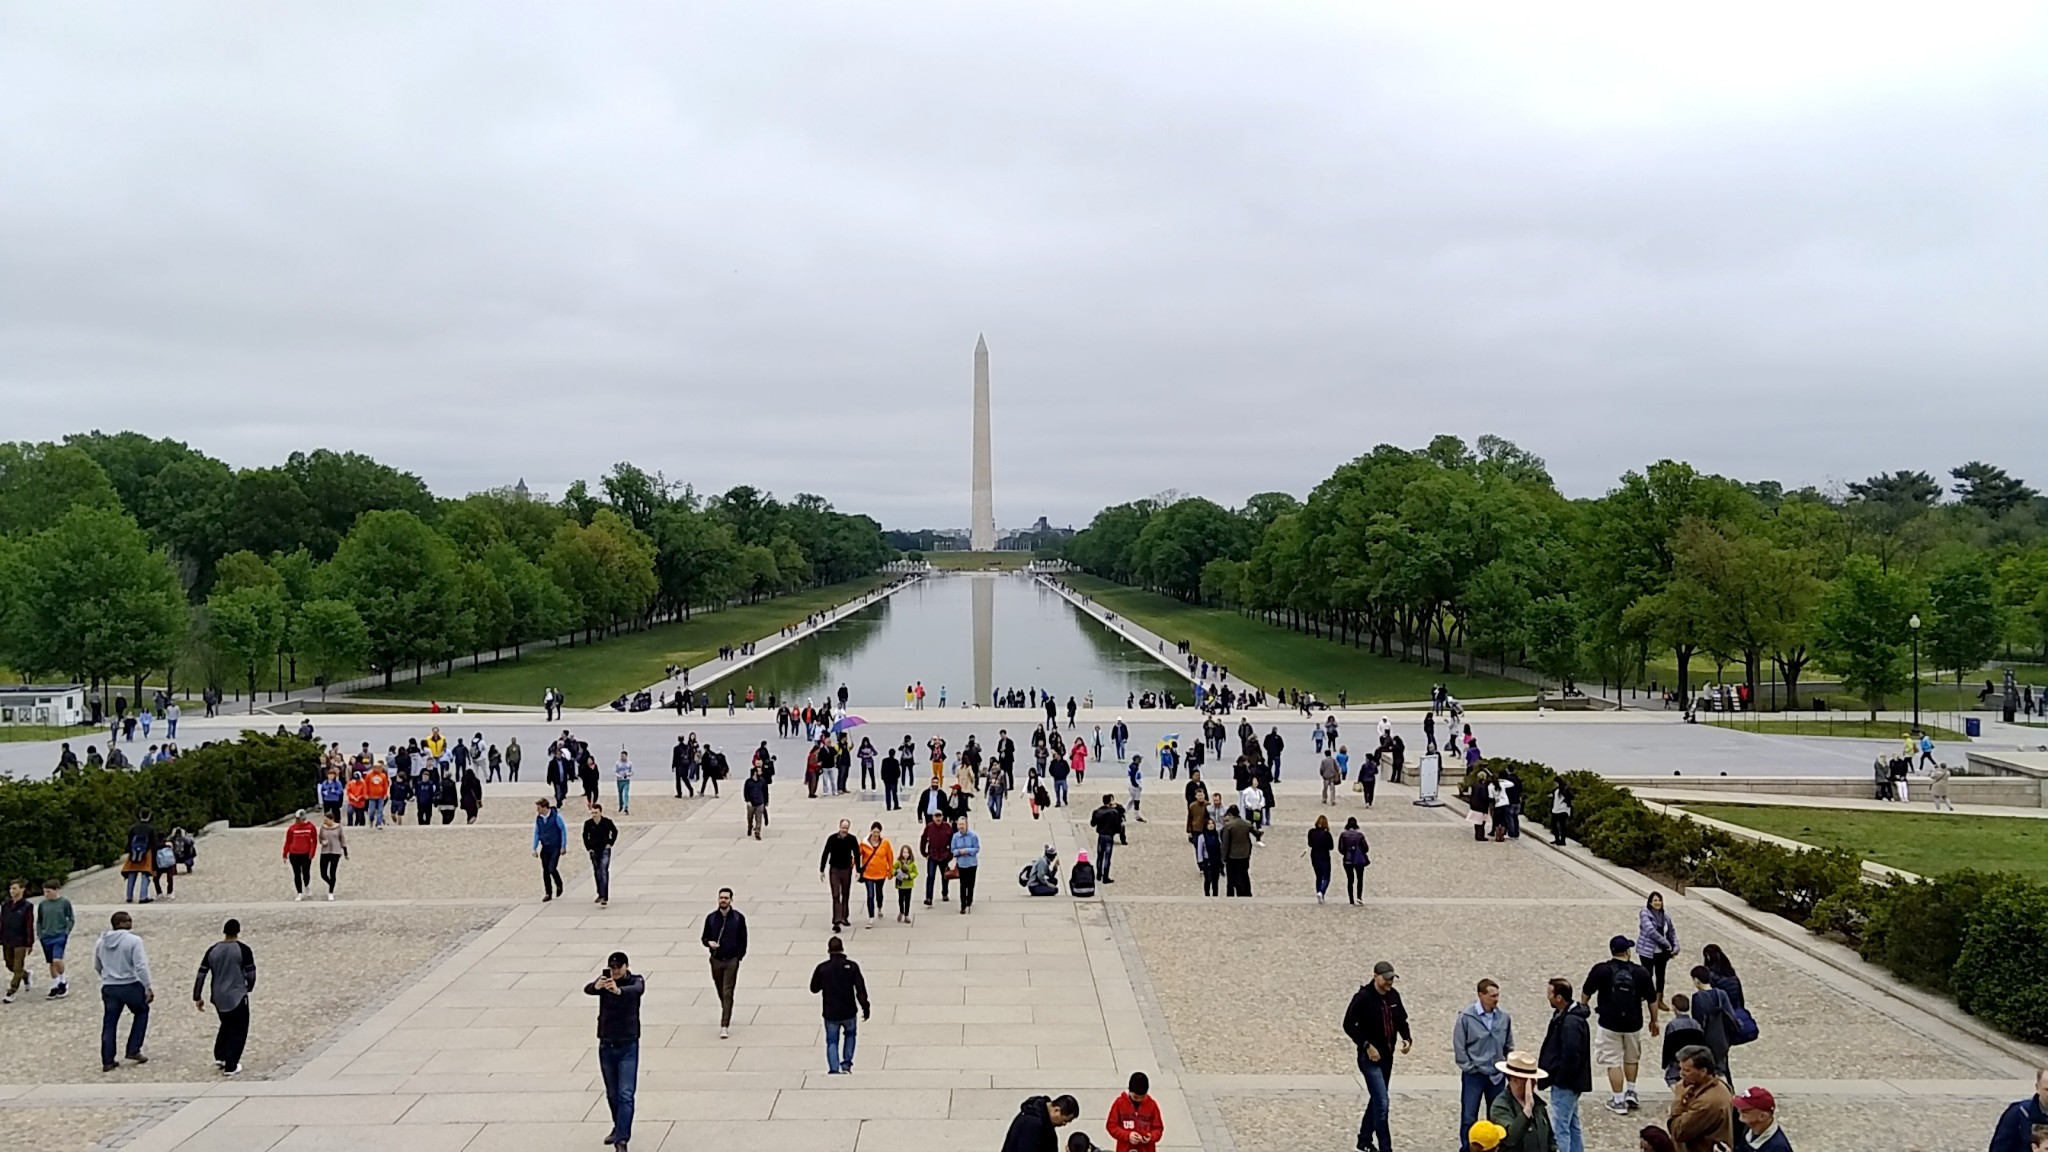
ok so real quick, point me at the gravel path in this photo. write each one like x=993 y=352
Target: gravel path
x=1261 y=988
x=1311 y=1120
x=68 y=1129
x=316 y=966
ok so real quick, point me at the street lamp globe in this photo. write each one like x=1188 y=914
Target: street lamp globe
x=1913 y=622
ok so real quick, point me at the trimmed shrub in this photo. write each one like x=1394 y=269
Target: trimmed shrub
x=80 y=818
x=1917 y=930
x=1999 y=974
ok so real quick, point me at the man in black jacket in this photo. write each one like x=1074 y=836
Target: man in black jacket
x=840 y=987
x=1108 y=822
x=1568 y=1056
x=679 y=761
x=599 y=834
x=1375 y=1019
x=725 y=938
x=618 y=1042
x=1274 y=745
x=1037 y=1123
x=836 y=862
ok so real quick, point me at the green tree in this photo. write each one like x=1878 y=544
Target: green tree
x=1967 y=626
x=1552 y=628
x=696 y=559
x=1861 y=633
x=1990 y=488
x=331 y=639
x=401 y=578
x=91 y=599
x=1180 y=539
x=337 y=487
x=246 y=625
x=39 y=483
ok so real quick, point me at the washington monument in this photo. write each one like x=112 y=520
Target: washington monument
x=981 y=526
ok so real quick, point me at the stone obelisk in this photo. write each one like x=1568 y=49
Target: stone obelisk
x=981 y=526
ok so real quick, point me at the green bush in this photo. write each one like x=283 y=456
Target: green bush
x=1999 y=974
x=1917 y=930
x=1780 y=880
x=81 y=818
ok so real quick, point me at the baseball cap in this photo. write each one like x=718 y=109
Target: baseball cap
x=1486 y=1134
x=1384 y=968
x=1619 y=944
x=1757 y=1100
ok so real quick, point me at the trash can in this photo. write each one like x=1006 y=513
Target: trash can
x=1972 y=727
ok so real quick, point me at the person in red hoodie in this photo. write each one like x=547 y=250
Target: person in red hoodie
x=1134 y=1121
x=301 y=840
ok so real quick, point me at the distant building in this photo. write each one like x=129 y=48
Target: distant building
x=58 y=704
x=1040 y=535
x=519 y=490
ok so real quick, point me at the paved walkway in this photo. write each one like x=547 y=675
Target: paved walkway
x=1231 y=1005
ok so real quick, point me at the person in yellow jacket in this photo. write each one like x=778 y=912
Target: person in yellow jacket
x=906 y=882
x=436 y=744
x=876 y=861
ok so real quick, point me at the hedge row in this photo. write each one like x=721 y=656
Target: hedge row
x=1977 y=936
x=81 y=817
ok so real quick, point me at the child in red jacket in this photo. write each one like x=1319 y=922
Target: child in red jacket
x=1134 y=1121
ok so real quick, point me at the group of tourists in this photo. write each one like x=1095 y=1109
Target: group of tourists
x=115 y=758
x=427 y=774
x=1915 y=755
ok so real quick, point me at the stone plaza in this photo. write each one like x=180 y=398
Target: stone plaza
x=438 y=1003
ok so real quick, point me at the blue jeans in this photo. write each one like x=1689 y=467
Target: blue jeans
x=130 y=881
x=1564 y=1120
x=836 y=1058
x=995 y=805
x=1373 y=1125
x=114 y=997
x=377 y=813
x=620 y=1064
x=625 y=794
x=1059 y=791
x=1476 y=1091
x=601 y=871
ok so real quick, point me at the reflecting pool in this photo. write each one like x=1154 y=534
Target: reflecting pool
x=970 y=635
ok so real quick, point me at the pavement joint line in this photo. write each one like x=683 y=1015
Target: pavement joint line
x=1209 y=1125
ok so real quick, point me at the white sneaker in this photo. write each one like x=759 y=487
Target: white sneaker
x=300 y=896
x=330 y=897
x=725 y=1033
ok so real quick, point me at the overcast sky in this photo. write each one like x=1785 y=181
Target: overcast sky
x=1218 y=248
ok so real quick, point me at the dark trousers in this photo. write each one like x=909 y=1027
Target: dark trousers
x=550 y=871
x=1210 y=874
x=1239 y=873
x=302 y=872
x=967 y=888
x=1105 y=847
x=935 y=873
x=1560 y=827
x=842 y=890
x=233 y=1035
x=1354 y=882
x=1365 y=785
x=601 y=869
x=330 y=869
x=725 y=976
x=1476 y=1091
x=114 y=998
x=889 y=801
x=620 y=1065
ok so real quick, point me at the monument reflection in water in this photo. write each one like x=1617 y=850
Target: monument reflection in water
x=972 y=634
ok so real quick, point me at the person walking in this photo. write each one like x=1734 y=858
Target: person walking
x=54 y=921
x=755 y=792
x=1937 y=787
x=138 y=866
x=1332 y=776
x=377 y=791
x=17 y=937
x=232 y=967
x=599 y=834
x=470 y=794
x=1320 y=845
x=1561 y=798
x=1237 y=843
x=1108 y=822
x=1623 y=988
x=1656 y=941
x=1482 y=1037
x=1134 y=1121
x=877 y=861
x=1519 y=1108
x=835 y=865
x=123 y=966
x=333 y=849
x=619 y=991
x=550 y=836
x=725 y=939
x=840 y=987
x=936 y=846
x=1357 y=855
x=622 y=778
x=1374 y=1021
x=965 y=847
x=905 y=873
x=1567 y=1055
x=301 y=841
x=512 y=755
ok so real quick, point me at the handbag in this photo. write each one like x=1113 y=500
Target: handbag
x=952 y=871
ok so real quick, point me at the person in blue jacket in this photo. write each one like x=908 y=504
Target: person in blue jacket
x=966 y=847
x=2015 y=1131
x=550 y=835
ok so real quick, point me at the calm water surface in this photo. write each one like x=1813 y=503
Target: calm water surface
x=971 y=634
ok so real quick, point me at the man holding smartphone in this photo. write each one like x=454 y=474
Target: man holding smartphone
x=618 y=1042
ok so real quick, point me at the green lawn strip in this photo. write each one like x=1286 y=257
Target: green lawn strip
x=592 y=674
x=1271 y=657
x=1855 y=726
x=18 y=733
x=1922 y=842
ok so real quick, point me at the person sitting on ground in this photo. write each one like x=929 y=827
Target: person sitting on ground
x=1041 y=877
x=1081 y=880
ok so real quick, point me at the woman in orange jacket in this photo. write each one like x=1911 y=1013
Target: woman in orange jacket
x=877 y=861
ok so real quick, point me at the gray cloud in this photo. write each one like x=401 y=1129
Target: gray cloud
x=1217 y=250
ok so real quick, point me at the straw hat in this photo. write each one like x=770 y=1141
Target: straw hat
x=1523 y=1065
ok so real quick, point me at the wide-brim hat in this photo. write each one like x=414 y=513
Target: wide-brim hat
x=1521 y=1064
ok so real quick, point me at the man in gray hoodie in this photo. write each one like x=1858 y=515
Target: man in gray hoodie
x=124 y=983
x=233 y=968
x=1482 y=1037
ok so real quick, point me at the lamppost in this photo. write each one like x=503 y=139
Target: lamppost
x=1913 y=622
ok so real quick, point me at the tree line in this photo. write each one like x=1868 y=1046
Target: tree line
x=123 y=557
x=1419 y=553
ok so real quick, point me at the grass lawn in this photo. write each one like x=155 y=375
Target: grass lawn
x=593 y=674
x=15 y=733
x=1920 y=842
x=1832 y=725
x=976 y=561
x=1272 y=657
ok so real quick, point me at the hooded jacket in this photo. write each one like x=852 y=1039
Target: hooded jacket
x=1032 y=1129
x=1567 y=1049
